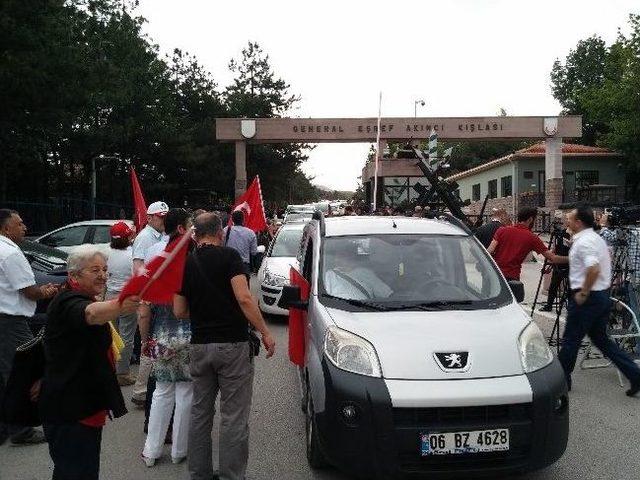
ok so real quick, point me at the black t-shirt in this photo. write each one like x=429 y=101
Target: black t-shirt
x=486 y=232
x=215 y=314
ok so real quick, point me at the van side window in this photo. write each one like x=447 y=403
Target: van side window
x=308 y=261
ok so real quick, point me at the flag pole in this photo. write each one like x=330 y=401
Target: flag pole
x=375 y=175
x=168 y=259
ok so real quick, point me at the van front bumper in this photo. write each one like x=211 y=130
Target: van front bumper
x=382 y=438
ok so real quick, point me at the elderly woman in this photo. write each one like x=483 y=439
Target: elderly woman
x=79 y=388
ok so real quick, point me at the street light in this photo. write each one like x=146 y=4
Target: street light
x=415 y=107
x=93 y=180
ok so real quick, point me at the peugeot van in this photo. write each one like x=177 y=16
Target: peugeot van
x=417 y=357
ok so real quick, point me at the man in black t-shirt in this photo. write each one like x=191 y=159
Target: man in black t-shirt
x=216 y=297
x=485 y=233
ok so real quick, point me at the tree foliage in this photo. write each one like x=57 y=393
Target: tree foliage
x=602 y=83
x=80 y=80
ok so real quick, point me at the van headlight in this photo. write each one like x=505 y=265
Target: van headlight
x=534 y=350
x=351 y=353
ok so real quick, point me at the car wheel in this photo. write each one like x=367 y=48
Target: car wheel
x=315 y=457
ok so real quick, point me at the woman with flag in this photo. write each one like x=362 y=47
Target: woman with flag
x=79 y=388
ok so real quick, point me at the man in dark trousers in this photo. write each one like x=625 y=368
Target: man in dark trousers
x=511 y=245
x=216 y=297
x=486 y=232
x=589 y=303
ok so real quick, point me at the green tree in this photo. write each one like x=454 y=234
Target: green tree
x=603 y=85
x=256 y=91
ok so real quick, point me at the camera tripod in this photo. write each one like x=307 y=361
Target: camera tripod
x=562 y=295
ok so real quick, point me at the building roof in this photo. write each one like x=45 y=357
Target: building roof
x=538 y=151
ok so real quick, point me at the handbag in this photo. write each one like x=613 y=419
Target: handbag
x=28 y=367
x=254 y=341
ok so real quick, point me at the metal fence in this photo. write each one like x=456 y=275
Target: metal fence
x=41 y=217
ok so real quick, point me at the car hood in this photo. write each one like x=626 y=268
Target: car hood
x=280 y=265
x=406 y=342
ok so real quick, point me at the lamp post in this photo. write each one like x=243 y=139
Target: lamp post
x=93 y=180
x=415 y=106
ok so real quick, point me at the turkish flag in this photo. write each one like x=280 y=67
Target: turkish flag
x=140 y=206
x=162 y=276
x=250 y=202
x=297 y=319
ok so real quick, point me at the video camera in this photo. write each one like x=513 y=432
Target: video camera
x=619 y=216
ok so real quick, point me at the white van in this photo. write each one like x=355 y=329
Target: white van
x=417 y=357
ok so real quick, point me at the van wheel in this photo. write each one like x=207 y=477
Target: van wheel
x=315 y=457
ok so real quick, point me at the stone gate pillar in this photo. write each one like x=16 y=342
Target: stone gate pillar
x=553 y=191
x=241 y=168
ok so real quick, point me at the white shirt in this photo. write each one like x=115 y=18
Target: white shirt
x=589 y=249
x=155 y=249
x=147 y=237
x=15 y=274
x=357 y=284
x=120 y=268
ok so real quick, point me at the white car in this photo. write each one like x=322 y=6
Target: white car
x=276 y=264
x=71 y=236
x=415 y=357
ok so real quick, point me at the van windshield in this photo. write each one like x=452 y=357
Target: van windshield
x=390 y=272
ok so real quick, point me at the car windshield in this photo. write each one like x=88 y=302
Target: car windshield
x=298 y=216
x=287 y=243
x=413 y=271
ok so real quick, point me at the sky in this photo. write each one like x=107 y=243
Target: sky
x=462 y=57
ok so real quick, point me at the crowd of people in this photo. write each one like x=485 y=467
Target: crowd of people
x=202 y=344
x=193 y=349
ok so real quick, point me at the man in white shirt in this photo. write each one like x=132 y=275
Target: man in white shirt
x=589 y=303
x=18 y=296
x=150 y=235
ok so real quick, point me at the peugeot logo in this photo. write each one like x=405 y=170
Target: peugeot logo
x=452 y=361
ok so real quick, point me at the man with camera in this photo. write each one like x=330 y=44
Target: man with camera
x=589 y=303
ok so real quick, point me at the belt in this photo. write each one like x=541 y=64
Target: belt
x=576 y=290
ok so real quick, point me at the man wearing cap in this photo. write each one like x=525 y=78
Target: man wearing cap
x=18 y=296
x=150 y=235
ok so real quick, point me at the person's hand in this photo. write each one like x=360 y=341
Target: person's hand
x=130 y=304
x=580 y=297
x=48 y=290
x=34 y=391
x=269 y=343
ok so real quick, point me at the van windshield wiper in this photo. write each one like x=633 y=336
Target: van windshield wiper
x=360 y=303
x=435 y=305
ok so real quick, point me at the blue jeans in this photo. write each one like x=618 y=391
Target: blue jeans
x=591 y=319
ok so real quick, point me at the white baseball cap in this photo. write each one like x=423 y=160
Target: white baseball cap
x=158 y=208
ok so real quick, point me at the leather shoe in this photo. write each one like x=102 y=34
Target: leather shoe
x=34 y=438
x=635 y=388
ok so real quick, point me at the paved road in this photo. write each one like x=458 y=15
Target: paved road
x=603 y=440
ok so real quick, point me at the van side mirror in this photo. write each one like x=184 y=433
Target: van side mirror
x=517 y=288
x=290 y=298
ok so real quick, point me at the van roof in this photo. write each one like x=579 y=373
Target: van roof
x=352 y=225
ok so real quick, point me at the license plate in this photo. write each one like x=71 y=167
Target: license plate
x=452 y=443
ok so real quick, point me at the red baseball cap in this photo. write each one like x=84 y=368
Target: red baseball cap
x=120 y=230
